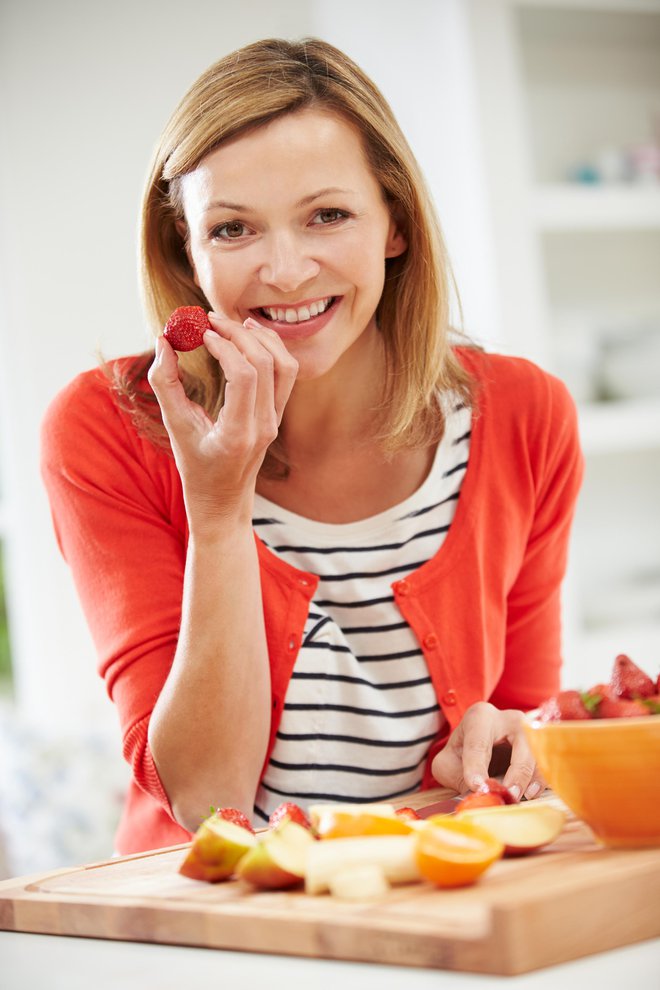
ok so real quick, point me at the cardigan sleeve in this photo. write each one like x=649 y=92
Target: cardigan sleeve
x=119 y=523
x=533 y=629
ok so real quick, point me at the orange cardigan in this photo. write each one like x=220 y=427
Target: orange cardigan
x=485 y=609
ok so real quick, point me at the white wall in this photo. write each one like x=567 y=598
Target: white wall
x=85 y=88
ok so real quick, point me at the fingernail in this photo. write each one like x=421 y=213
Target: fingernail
x=515 y=791
x=477 y=783
x=251 y=324
x=533 y=789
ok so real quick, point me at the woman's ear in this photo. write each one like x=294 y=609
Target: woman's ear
x=396 y=242
x=182 y=230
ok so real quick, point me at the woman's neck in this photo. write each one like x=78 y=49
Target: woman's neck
x=341 y=406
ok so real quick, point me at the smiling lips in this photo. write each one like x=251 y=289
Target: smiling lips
x=297 y=322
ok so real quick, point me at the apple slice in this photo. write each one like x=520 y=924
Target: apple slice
x=522 y=828
x=279 y=857
x=393 y=854
x=360 y=883
x=216 y=849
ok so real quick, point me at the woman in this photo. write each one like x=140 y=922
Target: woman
x=321 y=554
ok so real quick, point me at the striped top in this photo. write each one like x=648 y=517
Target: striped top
x=360 y=711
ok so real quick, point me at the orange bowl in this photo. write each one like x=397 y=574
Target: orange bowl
x=607 y=771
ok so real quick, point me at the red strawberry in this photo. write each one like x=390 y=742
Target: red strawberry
x=291 y=811
x=408 y=814
x=235 y=816
x=653 y=704
x=498 y=789
x=565 y=706
x=480 y=800
x=622 y=708
x=628 y=681
x=185 y=328
x=657 y=685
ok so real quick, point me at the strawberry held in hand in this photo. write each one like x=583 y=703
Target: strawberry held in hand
x=291 y=811
x=186 y=327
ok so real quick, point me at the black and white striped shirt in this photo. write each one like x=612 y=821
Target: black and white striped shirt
x=360 y=710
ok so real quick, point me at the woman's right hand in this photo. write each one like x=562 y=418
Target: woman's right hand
x=219 y=461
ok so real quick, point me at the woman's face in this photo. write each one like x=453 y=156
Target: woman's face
x=288 y=225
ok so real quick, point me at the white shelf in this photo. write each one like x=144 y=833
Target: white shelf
x=598 y=6
x=617 y=426
x=599 y=207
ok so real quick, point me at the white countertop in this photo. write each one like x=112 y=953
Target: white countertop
x=63 y=963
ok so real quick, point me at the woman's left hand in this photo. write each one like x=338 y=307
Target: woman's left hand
x=464 y=761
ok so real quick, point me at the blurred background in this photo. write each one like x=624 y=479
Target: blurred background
x=538 y=127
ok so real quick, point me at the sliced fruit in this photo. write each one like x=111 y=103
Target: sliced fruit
x=480 y=800
x=361 y=883
x=622 y=708
x=343 y=821
x=278 y=858
x=408 y=814
x=629 y=681
x=454 y=852
x=216 y=849
x=235 y=816
x=521 y=829
x=565 y=706
x=291 y=811
x=393 y=854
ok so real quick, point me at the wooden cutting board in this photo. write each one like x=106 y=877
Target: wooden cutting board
x=572 y=899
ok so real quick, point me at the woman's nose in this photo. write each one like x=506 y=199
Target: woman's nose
x=287 y=263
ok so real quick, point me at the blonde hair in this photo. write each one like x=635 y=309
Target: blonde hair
x=242 y=92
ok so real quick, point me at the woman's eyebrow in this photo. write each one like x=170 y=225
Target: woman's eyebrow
x=223 y=204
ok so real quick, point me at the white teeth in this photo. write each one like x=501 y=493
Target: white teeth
x=300 y=315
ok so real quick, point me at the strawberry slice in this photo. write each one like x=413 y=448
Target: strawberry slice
x=408 y=814
x=291 y=811
x=186 y=327
x=629 y=681
x=235 y=816
x=622 y=708
x=565 y=706
x=479 y=800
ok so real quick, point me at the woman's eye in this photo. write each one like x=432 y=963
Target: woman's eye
x=329 y=216
x=229 y=231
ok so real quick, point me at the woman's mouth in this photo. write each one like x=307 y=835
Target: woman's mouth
x=297 y=322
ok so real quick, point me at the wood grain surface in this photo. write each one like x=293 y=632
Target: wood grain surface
x=572 y=899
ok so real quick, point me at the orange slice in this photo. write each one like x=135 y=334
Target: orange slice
x=344 y=824
x=453 y=853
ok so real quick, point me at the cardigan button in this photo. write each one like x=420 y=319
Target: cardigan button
x=430 y=641
x=402 y=588
x=292 y=643
x=449 y=698
x=304 y=582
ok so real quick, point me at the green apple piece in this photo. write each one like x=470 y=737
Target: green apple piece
x=521 y=828
x=392 y=854
x=279 y=858
x=360 y=883
x=216 y=849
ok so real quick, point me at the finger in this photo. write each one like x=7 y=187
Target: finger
x=447 y=766
x=523 y=776
x=241 y=381
x=163 y=376
x=481 y=729
x=285 y=365
x=261 y=359
x=266 y=350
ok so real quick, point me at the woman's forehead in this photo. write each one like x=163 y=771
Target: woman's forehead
x=296 y=155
